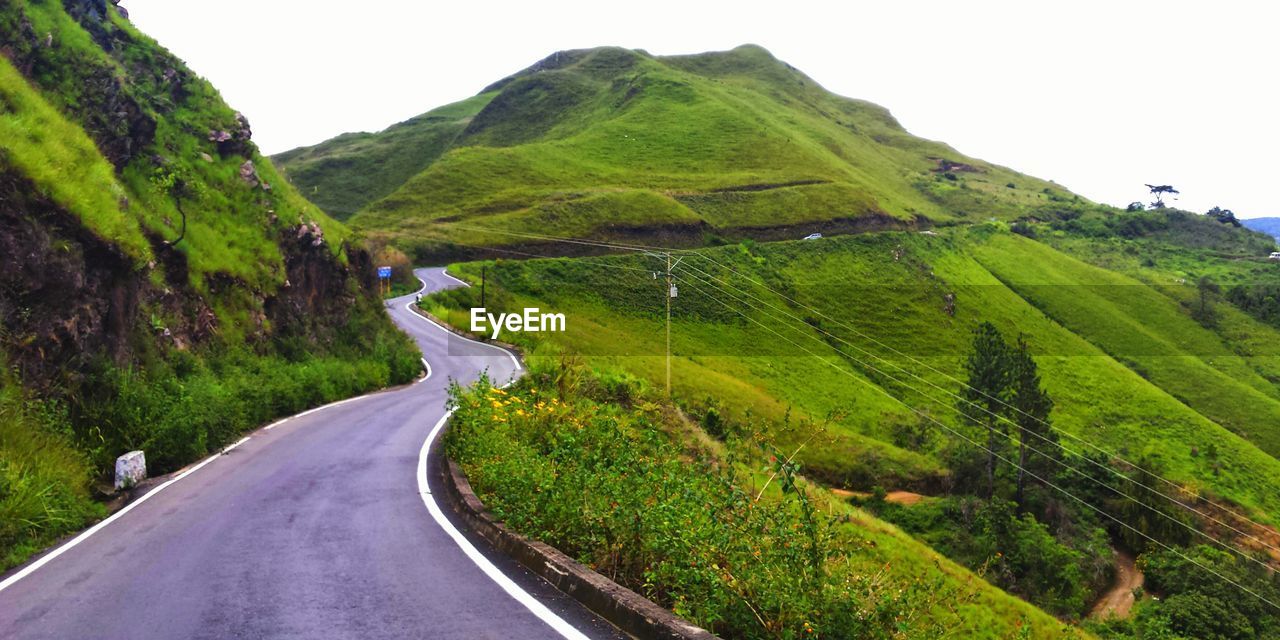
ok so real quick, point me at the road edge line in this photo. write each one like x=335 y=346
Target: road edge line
x=484 y=564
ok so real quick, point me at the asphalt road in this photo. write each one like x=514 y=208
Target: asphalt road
x=314 y=528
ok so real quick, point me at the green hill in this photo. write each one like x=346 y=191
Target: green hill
x=867 y=337
x=620 y=144
x=161 y=287
x=348 y=172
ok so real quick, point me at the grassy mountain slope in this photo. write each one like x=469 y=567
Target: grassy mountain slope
x=1151 y=333
x=346 y=173
x=846 y=351
x=161 y=288
x=729 y=143
x=891 y=287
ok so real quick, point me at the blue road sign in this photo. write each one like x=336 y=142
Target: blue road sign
x=384 y=272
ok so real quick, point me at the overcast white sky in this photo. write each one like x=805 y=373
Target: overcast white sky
x=1098 y=96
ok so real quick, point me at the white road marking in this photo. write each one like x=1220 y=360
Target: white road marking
x=31 y=568
x=510 y=587
x=237 y=443
x=424 y=490
x=445 y=273
x=523 y=597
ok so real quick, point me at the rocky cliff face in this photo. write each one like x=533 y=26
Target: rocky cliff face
x=224 y=253
x=161 y=288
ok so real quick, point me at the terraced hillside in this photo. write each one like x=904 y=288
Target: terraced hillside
x=616 y=144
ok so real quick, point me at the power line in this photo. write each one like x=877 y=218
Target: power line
x=1061 y=463
x=1067 y=434
x=1006 y=460
x=650 y=250
x=1139 y=468
x=998 y=416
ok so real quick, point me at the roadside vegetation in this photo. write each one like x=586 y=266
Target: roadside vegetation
x=44 y=477
x=727 y=533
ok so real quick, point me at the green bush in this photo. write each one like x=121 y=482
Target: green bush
x=609 y=486
x=179 y=419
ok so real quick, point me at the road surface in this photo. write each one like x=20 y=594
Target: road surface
x=313 y=528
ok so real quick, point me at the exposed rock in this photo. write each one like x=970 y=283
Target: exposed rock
x=242 y=131
x=206 y=157
x=249 y=173
x=235 y=140
x=65 y=295
x=131 y=468
x=949 y=304
x=310 y=231
x=950 y=166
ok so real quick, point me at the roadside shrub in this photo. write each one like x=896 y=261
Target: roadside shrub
x=178 y=419
x=609 y=487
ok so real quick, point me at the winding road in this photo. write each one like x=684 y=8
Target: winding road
x=323 y=525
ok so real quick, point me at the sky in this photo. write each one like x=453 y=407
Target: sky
x=1100 y=97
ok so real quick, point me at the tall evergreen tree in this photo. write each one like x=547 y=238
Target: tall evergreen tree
x=984 y=398
x=1029 y=408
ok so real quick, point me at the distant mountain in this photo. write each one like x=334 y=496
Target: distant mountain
x=615 y=143
x=1266 y=225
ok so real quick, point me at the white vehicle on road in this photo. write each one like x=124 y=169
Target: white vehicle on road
x=813 y=236
x=1275 y=255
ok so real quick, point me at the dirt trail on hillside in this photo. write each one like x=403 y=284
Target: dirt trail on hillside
x=1118 y=599
x=905 y=498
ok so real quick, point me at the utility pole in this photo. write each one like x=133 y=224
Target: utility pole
x=482 y=277
x=670 y=293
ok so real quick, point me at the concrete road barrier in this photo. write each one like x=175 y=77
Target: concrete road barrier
x=131 y=468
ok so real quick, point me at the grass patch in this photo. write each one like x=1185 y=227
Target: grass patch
x=44 y=479
x=63 y=163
